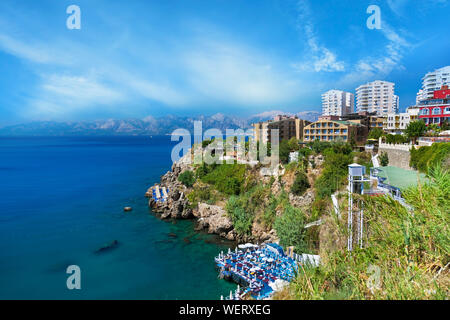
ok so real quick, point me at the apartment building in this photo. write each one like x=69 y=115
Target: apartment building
x=335 y=130
x=288 y=127
x=377 y=96
x=337 y=103
x=432 y=82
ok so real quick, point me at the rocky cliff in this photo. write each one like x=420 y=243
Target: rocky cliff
x=214 y=218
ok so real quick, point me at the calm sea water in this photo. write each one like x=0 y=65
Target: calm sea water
x=62 y=198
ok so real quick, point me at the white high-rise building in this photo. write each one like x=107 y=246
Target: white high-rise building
x=377 y=96
x=433 y=81
x=337 y=103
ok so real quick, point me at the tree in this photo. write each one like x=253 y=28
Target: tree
x=415 y=130
x=384 y=159
x=375 y=133
x=187 y=178
x=284 y=151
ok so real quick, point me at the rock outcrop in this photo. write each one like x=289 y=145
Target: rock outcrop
x=215 y=219
x=176 y=206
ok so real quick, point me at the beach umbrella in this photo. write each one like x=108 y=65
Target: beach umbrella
x=221 y=297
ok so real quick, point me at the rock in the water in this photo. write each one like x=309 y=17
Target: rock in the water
x=107 y=247
x=127 y=209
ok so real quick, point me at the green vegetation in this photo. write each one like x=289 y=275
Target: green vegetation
x=396 y=139
x=375 y=133
x=290 y=228
x=226 y=178
x=415 y=130
x=300 y=184
x=384 y=159
x=203 y=194
x=425 y=157
x=335 y=168
x=286 y=147
x=319 y=146
x=242 y=209
x=187 y=178
x=405 y=256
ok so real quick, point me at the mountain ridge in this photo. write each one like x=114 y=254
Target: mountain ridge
x=146 y=126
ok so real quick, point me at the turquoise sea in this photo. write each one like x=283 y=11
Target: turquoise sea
x=62 y=198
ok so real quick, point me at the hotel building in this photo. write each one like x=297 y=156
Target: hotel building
x=377 y=96
x=335 y=130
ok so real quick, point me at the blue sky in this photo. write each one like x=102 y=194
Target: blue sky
x=135 y=58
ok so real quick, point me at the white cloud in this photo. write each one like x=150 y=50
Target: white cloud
x=60 y=94
x=383 y=64
x=320 y=58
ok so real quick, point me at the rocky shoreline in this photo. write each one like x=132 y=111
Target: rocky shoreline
x=210 y=218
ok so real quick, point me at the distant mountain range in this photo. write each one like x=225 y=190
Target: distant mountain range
x=147 y=126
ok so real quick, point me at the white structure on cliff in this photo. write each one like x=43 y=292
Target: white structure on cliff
x=337 y=103
x=433 y=81
x=377 y=96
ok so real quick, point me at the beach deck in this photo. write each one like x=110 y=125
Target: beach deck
x=262 y=270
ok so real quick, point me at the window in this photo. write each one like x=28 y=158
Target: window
x=447 y=110
x=424 y=112
x=437 y=120
x=436 y=111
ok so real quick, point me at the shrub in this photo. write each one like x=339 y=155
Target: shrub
x=187 y=178
x=241 y=218
x=290 y=228
x=301 y=184
x=227 y=178
x=426 y=157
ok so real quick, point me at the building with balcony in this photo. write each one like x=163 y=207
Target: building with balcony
x=397 y=122
x=437 y=109
x=432 y=82
x=335 y=130
x=377 y=96
x=337 y=103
